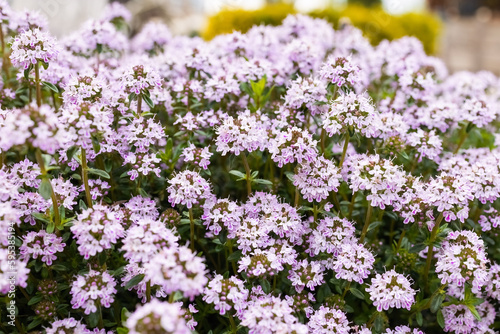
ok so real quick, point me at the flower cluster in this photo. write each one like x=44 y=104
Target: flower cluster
x=41 y=244
x=391 y=290
x=96 y=229
x=31 y=47
x=93 y=290
x=462 y=259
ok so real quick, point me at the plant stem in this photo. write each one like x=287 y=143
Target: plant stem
x=43 y=171
x=367 y=223
x=233 y=324
x=400 y=240
x=101 y=323
x=247 y=170
x=230 y=253
x=463 y=136
x=2 y=159
x=85 y=179
x=37 y=85
x=191 y=221
x=139 y=104
x=415 y=163
x=346 y=289
x=54 y=101
x=148 y=291
x=323 y=139
x=171 y=297
x=337 y=205
x=344 y=150
x=351 y=206
x=297 y=197
x=5 y=59
x=430 y=252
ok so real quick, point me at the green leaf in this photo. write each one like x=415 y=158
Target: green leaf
x=121 y=330
x=289 y=176
x=59 y=267
x=132 y=97
x=262 y=181
x=71 y=152
x=134 y=281
x=357 y=293
x=235 y=256
x=379 y=323
x=93 y=319
x=143 y=193
x=124 y=314
x=169 y=146
x=45 y=189
x=266 y=286
x=419 y=318
x=98 y=172
x=239 y=174
x=27 y=72
x=35 y=300
x=82 y=205
x=440 y=318
x=436 y=302
x=474 y=312
x=41 y=217
x=34 y=323
x=51 y=227
x=469 y=127
x=374 y=225
x=148 y=101
x=52 y=87
x=417 y=248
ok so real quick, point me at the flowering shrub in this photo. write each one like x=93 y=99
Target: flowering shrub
x=292 y=179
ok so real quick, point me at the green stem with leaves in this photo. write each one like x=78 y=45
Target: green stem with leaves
x=351 y=206
x=323 y=140
x=139 y=104
x=101 y=322
x=233 y=324
x=347 y=287
x=367 y=223
x=148 y=291
x=2 y=159
x=230 y=248
x=85 y=179
x=5 y=63
x=43 y=171
x=37 y=85
x=430 y=252
x=297 y=197
x=400 y=240
x=344 y=150
x=247 y=170
x=463 y=136
x=191 y=224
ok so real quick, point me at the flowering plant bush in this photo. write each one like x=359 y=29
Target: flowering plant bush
x=293 y=179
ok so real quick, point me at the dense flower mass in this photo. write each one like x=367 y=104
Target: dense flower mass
x=289 y=179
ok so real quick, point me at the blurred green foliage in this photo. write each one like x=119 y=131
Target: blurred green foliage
x=375 y=23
